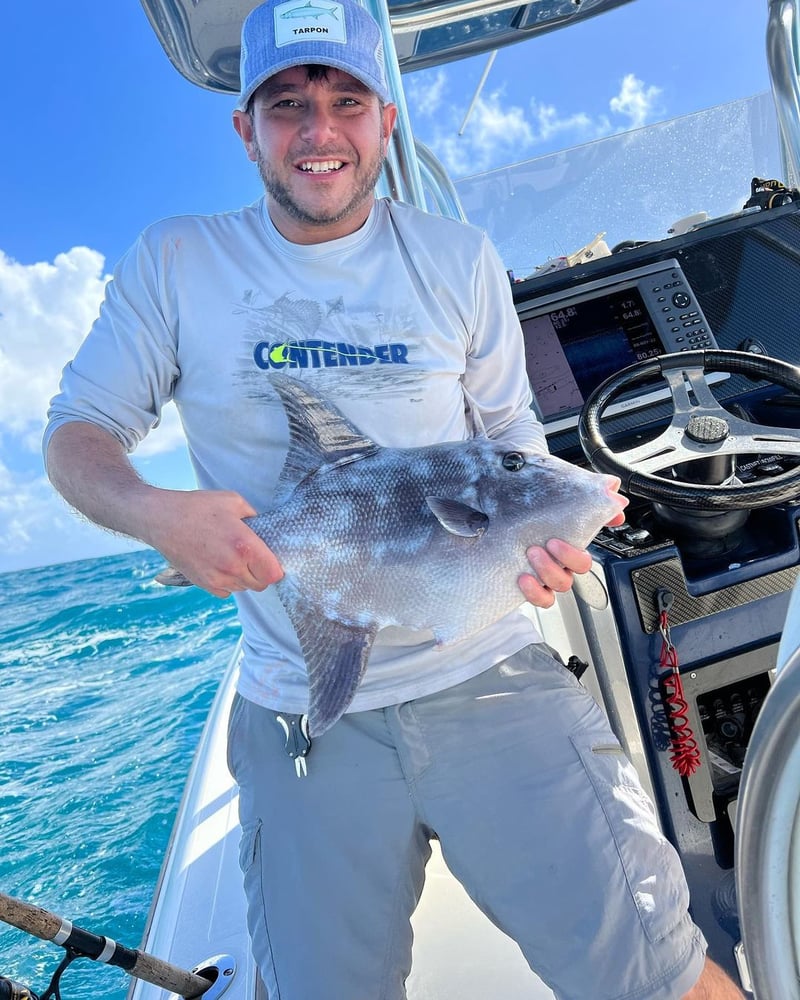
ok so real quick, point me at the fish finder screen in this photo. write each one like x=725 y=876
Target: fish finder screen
x=573 y=347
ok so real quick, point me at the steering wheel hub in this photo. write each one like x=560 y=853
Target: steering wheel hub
x=707 y=429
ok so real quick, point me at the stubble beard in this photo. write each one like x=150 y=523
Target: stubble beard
x=280 y=193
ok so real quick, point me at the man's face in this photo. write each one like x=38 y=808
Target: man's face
x=319 y=144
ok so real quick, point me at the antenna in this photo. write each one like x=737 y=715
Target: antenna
x=478 y=89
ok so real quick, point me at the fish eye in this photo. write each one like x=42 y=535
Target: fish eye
x=513 y=461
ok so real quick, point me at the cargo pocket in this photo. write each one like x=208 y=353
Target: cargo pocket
x=261 y=945
x=650 y=864
x=250 y=846
x=234 y=718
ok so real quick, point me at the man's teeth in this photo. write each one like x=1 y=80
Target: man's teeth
x=322 y=166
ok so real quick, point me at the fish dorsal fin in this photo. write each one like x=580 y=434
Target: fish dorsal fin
x=335 y=655
x=458 y=518
x=318 y=434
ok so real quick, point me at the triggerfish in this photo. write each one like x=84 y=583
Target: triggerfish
x=429 y=538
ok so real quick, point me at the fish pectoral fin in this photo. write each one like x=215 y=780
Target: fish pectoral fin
x=458 y=518
x=335 y=655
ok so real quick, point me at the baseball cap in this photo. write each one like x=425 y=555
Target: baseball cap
x=336 y=33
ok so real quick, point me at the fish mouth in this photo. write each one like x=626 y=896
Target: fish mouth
x=613 y=484
x=331 y=165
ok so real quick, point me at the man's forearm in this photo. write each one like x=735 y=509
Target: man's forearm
x=92 y=471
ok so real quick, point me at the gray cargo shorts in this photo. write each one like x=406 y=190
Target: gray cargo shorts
x=539 y=815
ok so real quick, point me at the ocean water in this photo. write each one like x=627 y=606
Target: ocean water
x=105 y=682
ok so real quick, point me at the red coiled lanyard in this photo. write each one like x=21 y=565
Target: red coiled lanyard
x=685 y=755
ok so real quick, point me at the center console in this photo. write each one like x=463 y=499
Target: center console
x=735 y=286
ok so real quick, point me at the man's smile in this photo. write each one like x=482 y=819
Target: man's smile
x=320 y=166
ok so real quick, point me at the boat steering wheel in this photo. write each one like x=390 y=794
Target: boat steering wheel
x=700 y=429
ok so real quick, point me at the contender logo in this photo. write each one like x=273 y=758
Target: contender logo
x=324 y=354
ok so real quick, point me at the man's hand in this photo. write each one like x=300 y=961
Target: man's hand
x=201 y=533
x=554 y=567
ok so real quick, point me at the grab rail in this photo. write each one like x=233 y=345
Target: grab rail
x=783 y=70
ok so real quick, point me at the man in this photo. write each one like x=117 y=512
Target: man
x=407 y=321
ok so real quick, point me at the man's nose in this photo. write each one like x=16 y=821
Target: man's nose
x=317 y=123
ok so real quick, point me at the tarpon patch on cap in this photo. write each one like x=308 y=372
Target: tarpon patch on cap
x=295 y=21
x=337 y=33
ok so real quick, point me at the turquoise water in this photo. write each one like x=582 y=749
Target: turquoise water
x=105 y=681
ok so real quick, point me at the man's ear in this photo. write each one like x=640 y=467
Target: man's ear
x=243 y=123
x=389 y=119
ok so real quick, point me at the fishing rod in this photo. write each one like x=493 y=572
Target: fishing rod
x=80 y=943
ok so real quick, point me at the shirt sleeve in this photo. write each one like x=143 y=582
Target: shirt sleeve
x=495 y=380
x=125 y=370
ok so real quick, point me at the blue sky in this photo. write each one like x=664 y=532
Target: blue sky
x=101 y=136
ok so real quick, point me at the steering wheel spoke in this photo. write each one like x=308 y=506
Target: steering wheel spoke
x=704 y=398
x=758 y=438
x=652 y=456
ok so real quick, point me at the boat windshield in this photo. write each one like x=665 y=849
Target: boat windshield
x=631 y=187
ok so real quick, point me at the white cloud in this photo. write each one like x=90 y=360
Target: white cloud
x=635 y=101
x=425 y=92
x=45 y=312
x=166 y=437
x=550 y=124
x=498 y=127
